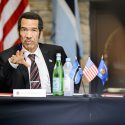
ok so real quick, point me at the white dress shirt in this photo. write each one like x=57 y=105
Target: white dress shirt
x=43 y=71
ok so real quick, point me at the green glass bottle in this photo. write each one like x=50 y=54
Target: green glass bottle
x=58 y=77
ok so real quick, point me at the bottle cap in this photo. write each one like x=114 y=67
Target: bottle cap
x=68 y=59
x=58 y=54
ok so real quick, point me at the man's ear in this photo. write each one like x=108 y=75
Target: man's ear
x=41 y=35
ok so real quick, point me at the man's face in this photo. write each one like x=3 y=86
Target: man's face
x=29 y=34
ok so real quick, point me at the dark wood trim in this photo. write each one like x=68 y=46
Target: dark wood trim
x=95 y=5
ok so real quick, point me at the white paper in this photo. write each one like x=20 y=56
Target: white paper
x=29 y=93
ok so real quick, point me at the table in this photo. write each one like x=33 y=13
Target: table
x=76 y=110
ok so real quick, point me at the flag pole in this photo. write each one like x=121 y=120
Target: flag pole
x=83 y=87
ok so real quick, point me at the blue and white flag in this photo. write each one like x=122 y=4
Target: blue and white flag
x=76 y=72
x=66 y=27
x=102 y=71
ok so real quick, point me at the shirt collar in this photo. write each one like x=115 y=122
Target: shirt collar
x=26 y=52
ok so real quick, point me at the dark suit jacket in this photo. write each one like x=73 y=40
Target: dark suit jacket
x=11 y=78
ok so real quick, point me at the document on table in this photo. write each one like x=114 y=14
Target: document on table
x=29 y=93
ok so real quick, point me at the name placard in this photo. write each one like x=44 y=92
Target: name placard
x=29 y=93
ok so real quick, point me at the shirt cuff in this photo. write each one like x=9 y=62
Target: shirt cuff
x=13 y=65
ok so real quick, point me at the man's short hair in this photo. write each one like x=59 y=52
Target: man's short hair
x=33 y=16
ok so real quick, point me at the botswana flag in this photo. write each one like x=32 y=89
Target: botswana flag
x=76 y=72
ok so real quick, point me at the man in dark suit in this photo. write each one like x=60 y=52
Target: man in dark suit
x=15 y=64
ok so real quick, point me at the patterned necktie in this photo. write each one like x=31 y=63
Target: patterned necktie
x=34 y=73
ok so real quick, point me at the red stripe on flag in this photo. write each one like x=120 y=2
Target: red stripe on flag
x=13 y=20
x=86 y=74
x=1 y=46
x=2 y=4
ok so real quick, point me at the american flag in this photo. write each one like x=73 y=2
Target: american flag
x=90 y=71
x=10 y=11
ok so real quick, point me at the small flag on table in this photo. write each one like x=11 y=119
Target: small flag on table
x=102 y=71
x=76 y=72
x=90 y=71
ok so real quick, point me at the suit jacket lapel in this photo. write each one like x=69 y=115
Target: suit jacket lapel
x=48 y=59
